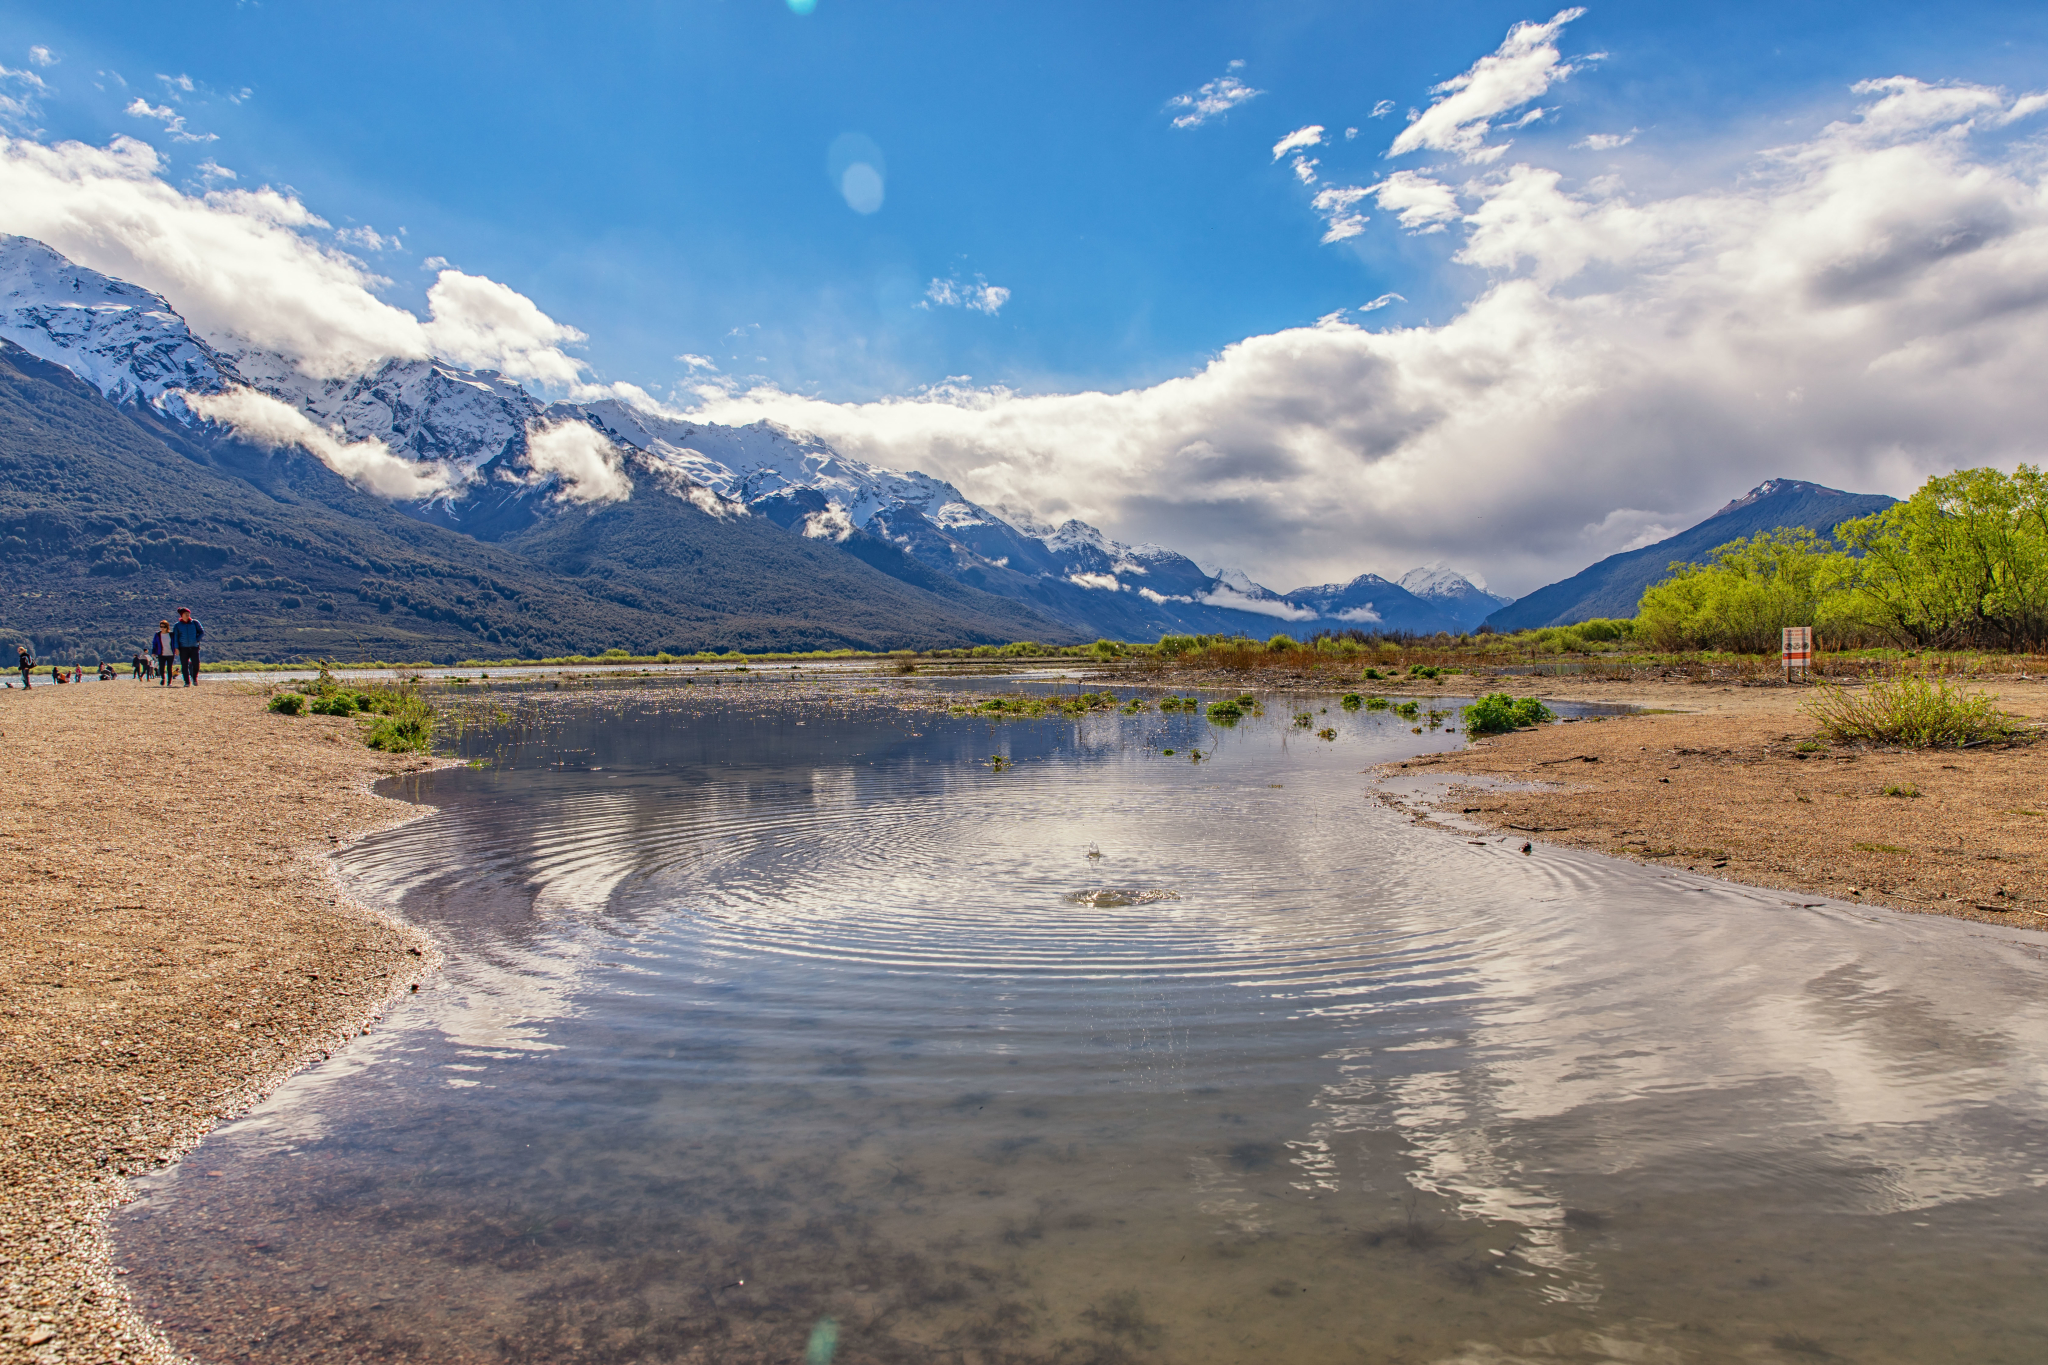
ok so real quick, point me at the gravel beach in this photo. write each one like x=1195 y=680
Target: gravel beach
x=173 y=947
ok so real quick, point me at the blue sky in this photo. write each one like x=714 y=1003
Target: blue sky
x=1694 y=248
x=656 y=175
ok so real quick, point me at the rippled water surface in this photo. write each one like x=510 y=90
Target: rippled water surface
x=775 y=1030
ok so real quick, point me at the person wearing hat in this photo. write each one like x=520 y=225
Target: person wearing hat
x=186 y=635
x=161 y=652
x=26 y=663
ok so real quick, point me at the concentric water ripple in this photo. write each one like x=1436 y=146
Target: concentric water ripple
x=759 y=1013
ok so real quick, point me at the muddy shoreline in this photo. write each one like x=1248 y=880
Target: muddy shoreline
x=174 y=946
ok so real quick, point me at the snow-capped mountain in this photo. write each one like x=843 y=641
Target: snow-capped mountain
x=1455 y=594
x=477 y=429
x=126 y=342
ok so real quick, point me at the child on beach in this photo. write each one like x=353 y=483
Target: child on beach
x=162 y=651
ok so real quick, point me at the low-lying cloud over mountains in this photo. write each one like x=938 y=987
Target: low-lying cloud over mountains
x=1860 y=306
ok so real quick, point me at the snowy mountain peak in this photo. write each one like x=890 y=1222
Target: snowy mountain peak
x=126 y=342
x=1440 y=580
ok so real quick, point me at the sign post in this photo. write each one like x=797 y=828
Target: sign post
x=1796 y=652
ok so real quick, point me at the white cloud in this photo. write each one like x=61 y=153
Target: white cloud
x=1380 y=110
x=370 y=464
x=366 y=237
x=1606 y=142
x=213 y=170
x=1335 y=204
x=1421 y=204
x=1642 y=354
x=587 y=463
x=1222 y=596
x=1305 y=169
x=833 y=524
x=1522 y=69
x=979 y=297
x=17 y=109
x=181 y=83
x=42 y=56
x=1350 y=133
x=1163 y=597
x=697 y=362
x=172 y=120
x=1360 y=616
x=1217 y=97
x=1300 y=137
x=1102 y=582
x=248 y=268
x=1381 y=302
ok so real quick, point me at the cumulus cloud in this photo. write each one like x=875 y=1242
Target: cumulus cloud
x=369 y=464
x=587 y=463
x=1217 y=97
x=1525 y=66
x=1305 y=169
x=1300 y=137
x=1420 y=203
x=1102 y=582
x=213 y=170
x=1862 y=307
x=978 y=297
x=248 y=268
x=42 y=56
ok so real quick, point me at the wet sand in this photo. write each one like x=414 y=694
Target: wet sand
x=171 y=947
x=1721 y=789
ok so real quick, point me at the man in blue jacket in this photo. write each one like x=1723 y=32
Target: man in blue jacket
x=186 y=636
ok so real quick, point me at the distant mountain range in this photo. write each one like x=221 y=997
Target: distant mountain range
x=636 y=528
x=1614 y=586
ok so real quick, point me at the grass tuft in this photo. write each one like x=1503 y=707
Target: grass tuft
x=1912 y=712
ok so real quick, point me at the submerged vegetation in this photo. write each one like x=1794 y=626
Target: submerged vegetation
x=1497 y=713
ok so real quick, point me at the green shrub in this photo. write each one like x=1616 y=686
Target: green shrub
x=1910 y=711
x=1752 y=590
x=395 y=733
x=1422 y=671
x=1280 y=642
x=338 y=704
x=1408 y=710
x=1353 y=700
x=1173 y=646
x=1372 y=673
x=287 y=703
x=1377 y=703
x=1497 y=713
x=1225 y=712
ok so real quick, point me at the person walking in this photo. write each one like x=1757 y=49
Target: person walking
x=161 y=652
x=25 y=665
x=186 y=635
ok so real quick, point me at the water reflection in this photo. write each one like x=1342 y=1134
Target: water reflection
x=766 y=1015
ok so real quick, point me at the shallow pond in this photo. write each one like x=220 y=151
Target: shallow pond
x=787 y=1028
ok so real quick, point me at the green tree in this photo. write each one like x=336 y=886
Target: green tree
x=1752 y=590
x=1962 y=562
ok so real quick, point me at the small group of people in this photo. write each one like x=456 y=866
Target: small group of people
x=172 y=644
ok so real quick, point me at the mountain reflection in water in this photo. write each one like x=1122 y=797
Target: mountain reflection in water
x=777 y=1030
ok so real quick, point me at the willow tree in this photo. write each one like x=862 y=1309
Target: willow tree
x=1963 y=562
x=1750 y=592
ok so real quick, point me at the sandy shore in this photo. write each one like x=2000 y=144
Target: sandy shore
x=172 y=948
x=1721 y=788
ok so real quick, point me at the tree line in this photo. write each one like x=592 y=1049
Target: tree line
x=1961 y=564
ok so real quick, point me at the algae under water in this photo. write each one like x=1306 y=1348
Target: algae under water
x=787 y=1029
